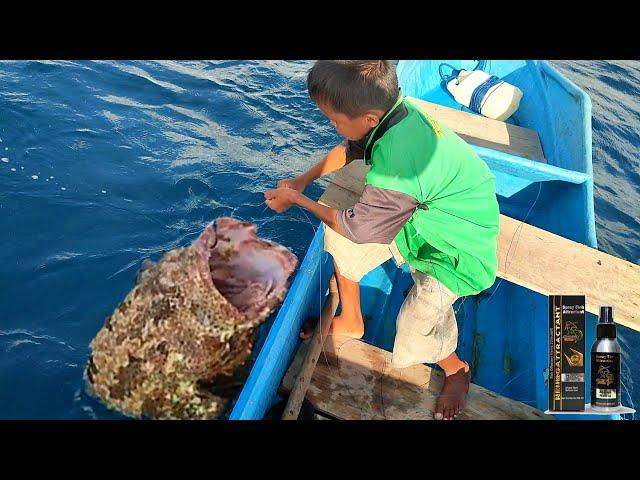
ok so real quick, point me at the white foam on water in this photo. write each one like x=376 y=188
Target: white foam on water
x=62 y=188
x=51 y=176
x=35 y=177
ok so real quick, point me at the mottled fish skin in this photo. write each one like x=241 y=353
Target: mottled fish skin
x=175 y=333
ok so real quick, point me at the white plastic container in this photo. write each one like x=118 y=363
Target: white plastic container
x=499 y=102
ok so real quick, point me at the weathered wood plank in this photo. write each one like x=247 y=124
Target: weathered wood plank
x=354 y=381
x=486 y=132
x=553 y=265
x=303 y=378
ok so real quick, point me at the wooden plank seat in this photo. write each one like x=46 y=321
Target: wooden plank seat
x=513 y=153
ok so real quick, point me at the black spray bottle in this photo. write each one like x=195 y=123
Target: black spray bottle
x=605 y=364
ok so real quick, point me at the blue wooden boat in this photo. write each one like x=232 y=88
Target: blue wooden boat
x=503 y=331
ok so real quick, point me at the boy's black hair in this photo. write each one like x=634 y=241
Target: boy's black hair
x=353 y=87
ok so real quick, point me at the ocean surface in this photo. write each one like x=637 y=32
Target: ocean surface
x=104 y=164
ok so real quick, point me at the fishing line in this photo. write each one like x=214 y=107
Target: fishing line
x=319 y=288
x=456 y=311
x=383 y=374
x=336 y=369
x=518 y=229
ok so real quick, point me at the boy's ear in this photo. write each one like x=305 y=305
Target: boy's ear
x=372 y=119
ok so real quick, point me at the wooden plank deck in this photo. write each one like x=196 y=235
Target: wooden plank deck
x=354 y=381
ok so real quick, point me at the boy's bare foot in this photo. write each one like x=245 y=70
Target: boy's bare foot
x=348 y=326
x=452 y=398
x=341 y=325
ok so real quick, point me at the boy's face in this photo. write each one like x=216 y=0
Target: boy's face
x=352 y=128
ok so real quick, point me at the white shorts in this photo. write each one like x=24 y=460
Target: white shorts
x=426 y=328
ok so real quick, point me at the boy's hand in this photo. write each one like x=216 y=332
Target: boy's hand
x=297 y=183
x=281 y=199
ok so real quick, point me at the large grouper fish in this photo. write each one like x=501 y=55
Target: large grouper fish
x=187 y=327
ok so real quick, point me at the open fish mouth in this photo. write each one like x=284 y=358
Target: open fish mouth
x=251 y=273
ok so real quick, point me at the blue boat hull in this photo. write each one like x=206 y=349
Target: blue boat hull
x=503 y=331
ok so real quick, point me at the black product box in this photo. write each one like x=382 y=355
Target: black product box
x=566 y=353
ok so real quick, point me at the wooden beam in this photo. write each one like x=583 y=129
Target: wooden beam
x=486 y=132
x=553 y=265
x=354 y=381
x=538 y=260
x=294 y=403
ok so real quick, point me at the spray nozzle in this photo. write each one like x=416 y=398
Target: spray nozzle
x=606 y=314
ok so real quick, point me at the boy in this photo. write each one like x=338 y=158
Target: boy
x=429 y=201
